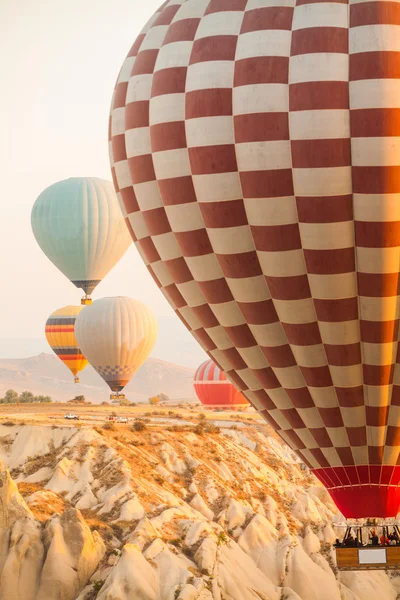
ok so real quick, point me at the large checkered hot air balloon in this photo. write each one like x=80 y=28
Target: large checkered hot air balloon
x=78 y=225
x=116 y=335
x=214 y=390
x=255 y=149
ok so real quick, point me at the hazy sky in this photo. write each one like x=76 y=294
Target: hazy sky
x=59 y=61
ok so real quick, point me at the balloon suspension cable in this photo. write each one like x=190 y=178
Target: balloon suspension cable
x=372 y=522
x=86 y=300
x=343 y=523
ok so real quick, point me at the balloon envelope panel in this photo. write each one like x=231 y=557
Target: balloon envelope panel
x=60 y=335
x=213 y=388
x=116 y=335
x=254 y=149
x=79 y=226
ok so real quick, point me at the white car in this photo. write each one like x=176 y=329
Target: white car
x=71 y=417
x=122 y=420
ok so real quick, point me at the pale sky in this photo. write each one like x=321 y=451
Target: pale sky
x=59 y=61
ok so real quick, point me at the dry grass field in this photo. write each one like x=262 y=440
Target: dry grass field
x=92 y=414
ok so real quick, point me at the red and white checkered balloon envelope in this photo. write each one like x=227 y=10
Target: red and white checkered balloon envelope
x=214 y=390
x=255 y=148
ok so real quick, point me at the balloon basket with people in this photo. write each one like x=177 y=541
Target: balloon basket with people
x=369 y=544
x=117 y=396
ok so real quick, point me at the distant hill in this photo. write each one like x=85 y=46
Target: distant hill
x=184 y=350
x=45 y=374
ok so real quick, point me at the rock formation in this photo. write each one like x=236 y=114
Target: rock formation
x=52 y=562
x=176 y=513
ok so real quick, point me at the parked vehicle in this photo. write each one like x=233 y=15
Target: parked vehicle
x=71 y=417
x=122 y=420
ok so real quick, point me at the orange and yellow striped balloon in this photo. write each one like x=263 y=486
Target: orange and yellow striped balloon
x=60 y=335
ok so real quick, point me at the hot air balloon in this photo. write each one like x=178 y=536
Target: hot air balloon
x=116 y=335
x=214 y=390
x=255 y=149
x=61 y=338
x=79 y=226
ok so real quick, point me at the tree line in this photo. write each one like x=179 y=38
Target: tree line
x=12 y=397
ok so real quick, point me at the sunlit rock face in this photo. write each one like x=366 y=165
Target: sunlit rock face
x=183 y=512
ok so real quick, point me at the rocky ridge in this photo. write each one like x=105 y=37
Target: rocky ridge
x=183 y=513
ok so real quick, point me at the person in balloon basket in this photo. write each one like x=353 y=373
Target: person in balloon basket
x=351 y=541
x=374 y=538
x=384 y=540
